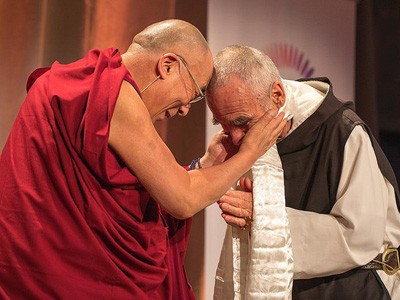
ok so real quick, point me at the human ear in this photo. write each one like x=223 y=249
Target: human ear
x=278 y=94
x=167 y=65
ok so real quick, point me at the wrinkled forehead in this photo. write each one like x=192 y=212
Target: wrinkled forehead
x=226 y=109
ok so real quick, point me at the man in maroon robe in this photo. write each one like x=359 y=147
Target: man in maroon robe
x=76 y=217
x=74 y=221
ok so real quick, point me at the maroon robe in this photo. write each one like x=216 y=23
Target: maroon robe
x=75 y=223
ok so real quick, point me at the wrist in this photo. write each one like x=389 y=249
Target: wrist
x=204 y=162
x=247 y=156
x=195 y=164
x=208 y=160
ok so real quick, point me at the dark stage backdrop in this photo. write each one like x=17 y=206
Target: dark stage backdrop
x=378 y=73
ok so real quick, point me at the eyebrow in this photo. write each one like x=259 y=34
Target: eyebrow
x=240 y=121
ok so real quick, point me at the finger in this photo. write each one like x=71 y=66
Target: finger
x=271 y=127
x=238 y=199
x=276 y=126
x=249 y=184
x=235 y=197
x=242 y=184
x=234 y=211
x=268 y=119
x=283 y=122
x=271 y=113
x=246 y=184
x=276 y=122
x=234 y=221
x=270 y=116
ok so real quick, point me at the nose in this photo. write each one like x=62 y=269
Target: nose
x=237 y=135
x=184 y=110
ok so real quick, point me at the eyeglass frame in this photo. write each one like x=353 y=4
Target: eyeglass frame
x=202 y=94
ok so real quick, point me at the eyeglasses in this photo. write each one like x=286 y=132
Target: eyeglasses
x=201 y=95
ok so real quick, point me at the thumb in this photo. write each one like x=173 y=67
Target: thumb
x=246 y=184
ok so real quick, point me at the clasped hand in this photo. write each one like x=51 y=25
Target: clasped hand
x=237 y=205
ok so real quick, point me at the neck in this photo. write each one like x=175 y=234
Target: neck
x=138 y=67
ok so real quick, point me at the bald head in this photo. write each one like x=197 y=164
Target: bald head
x=170 y=36
x=171 y=62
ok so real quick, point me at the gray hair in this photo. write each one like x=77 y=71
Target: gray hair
x=254 y=68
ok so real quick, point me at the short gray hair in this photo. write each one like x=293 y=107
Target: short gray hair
x=254 y=68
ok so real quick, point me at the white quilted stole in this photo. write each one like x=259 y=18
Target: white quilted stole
x=270 y=269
